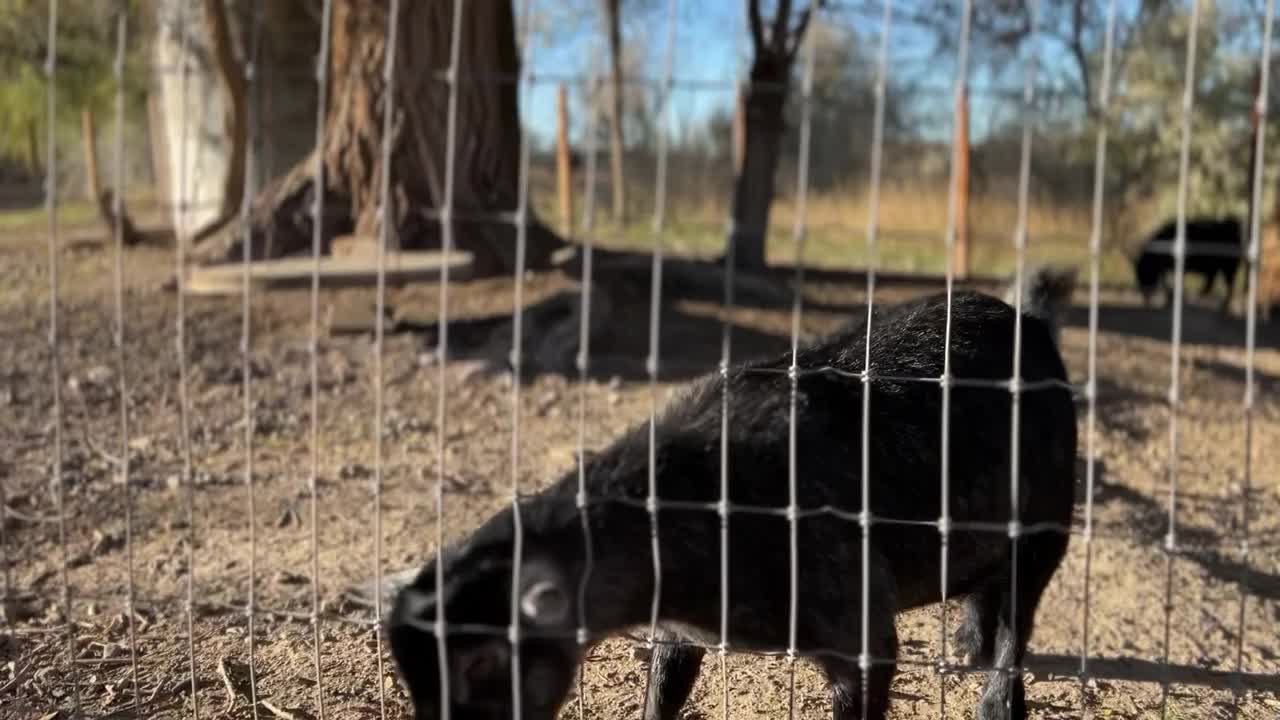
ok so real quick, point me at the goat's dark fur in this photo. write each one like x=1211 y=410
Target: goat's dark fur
x=905 y=469
x=1213 y=249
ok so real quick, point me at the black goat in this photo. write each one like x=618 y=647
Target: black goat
x=1213 y=249
x=608 y=585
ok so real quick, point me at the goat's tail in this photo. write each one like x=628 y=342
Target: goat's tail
x=1047 y=291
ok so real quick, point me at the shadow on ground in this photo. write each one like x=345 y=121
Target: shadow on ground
x=1149 y=519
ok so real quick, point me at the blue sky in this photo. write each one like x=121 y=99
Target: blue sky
x=711 y=49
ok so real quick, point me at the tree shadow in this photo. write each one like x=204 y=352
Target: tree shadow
x=1134 y=670
x=1202 y=324
x=1149 y=518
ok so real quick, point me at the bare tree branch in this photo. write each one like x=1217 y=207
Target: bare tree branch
x=797 y=38
x=779 y=37
x=757 y=25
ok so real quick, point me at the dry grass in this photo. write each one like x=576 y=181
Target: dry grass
x=911 y=230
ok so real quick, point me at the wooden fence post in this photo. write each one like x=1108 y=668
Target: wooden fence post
x=961 y=256
x=564 y=169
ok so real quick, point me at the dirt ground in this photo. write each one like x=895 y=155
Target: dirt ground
x=271 y=539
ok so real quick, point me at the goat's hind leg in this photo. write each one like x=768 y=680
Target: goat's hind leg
x=975 y=639
x=673 y=671
x=1004 y=697
x=858 y=692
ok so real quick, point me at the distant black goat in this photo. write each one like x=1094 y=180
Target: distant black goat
x=556 y=595
x=1213 y=248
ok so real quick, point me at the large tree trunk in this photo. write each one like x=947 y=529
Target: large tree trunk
x=766 y=96
x=487 y=149
x=754 y=190
x=612 y=16
x=235 y=104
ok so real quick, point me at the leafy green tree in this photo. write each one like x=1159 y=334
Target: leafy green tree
x=84 y=68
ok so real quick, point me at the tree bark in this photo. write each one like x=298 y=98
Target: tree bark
x=104 y=198
x=766 y=96
x=754 y=190
x=486 y=151
x=612 y=16
x=235 y=103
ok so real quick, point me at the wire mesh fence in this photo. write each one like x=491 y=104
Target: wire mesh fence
x=177 y=573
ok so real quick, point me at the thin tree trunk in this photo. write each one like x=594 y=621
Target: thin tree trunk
x=159 y=144
x=766 y=95
x=235 y=102
x=763 y=130
x=89 y=141
x=616 y=92
x=33 y=149
x=103 y=198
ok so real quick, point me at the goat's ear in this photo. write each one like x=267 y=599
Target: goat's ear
x=415 y=608
x=544 y=594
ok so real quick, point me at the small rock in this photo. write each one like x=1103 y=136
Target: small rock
x=284 y=577
x=288 y=516
x=546 y=403
x=354 y=471
x=20 y=609
x=99 y=375
x=104 y=542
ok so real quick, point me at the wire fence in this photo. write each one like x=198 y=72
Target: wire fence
x=75 y=678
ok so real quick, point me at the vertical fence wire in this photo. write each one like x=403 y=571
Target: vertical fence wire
x=379 y=391
x=873 y=229
x=655 y=325
x=583 y=361
x=1251 y=323
x=524 y=53
x=246 y=341
x=1091 y=388
x=799 y=234
x=726 y=344
x=944 y=522
x=1175 y=360
x=1015 y=379
x=122 y=30
x=184 y=425
x=442 y=349
x=313 y=340
x=55 y=347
